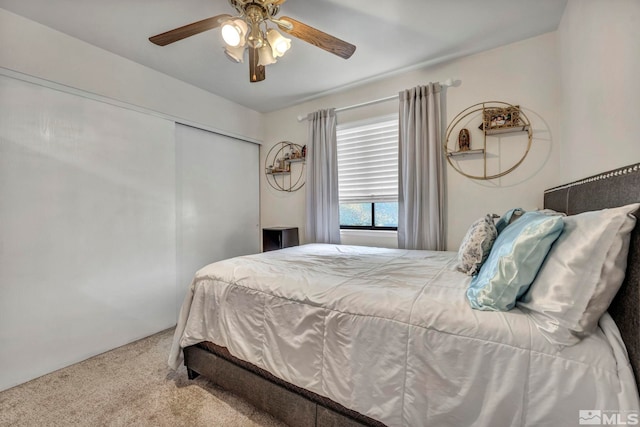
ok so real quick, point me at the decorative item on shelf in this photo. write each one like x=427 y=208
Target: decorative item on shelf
x=501 y=120
x=297 y=154
x=464 y=140
x=284 y=166
x=496 y=118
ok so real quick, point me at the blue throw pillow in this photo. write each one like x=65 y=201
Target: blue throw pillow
x=513 y=263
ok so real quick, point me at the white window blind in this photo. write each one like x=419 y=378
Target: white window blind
x=368 y=161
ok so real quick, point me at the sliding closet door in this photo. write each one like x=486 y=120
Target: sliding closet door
x=87 y=228
x=218 y=200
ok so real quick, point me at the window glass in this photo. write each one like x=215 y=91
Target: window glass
x=355 y=214
x=386 y=214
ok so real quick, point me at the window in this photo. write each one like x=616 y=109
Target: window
x=368 y=174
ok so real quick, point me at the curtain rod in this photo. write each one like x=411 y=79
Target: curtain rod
x=449 y=82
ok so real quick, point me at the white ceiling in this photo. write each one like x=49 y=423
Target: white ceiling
x=389 y=35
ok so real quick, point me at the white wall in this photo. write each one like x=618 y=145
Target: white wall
x=36 y=50
x=89 y=190
x=600 y=69
x=523 y=73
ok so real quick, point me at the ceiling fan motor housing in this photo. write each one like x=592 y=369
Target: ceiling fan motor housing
x=264 y=9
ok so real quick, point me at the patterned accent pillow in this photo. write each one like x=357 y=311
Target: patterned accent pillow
x=476 y=245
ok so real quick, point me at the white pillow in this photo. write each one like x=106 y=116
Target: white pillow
x=581 y=274
x=476 y=245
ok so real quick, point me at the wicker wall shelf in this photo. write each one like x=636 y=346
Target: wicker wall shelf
x=497 y=119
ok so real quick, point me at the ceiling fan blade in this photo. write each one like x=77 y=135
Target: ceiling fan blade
x=318 y=38
x=256 y=72
x=188 y=30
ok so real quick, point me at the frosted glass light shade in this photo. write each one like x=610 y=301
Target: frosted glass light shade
x=235 y=54
x=279 y=43
x=233 y=32
x=265 y=55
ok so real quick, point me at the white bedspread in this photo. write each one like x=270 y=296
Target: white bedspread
x=388 y=333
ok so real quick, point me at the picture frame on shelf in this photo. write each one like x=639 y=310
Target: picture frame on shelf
x=499 y=119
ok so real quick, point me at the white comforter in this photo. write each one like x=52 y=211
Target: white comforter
x=388 y=333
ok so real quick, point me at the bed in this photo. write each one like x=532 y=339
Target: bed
x=301 y=333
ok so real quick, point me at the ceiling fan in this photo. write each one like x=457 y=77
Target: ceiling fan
x=248 y=31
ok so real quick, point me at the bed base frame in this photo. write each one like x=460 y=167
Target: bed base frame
x=301 y=408
x=284 y=401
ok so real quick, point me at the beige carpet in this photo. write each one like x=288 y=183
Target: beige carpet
x=128 y=386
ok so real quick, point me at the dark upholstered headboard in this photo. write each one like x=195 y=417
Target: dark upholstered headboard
x=609 y=190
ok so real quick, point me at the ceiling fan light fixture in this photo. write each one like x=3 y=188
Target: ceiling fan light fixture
x=265 y=55
x=279 y=44
x=249 y=30
x=235 y=54
x=234 y=32
x=255 y=39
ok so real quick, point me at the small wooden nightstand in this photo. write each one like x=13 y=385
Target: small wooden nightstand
x=274 y=238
